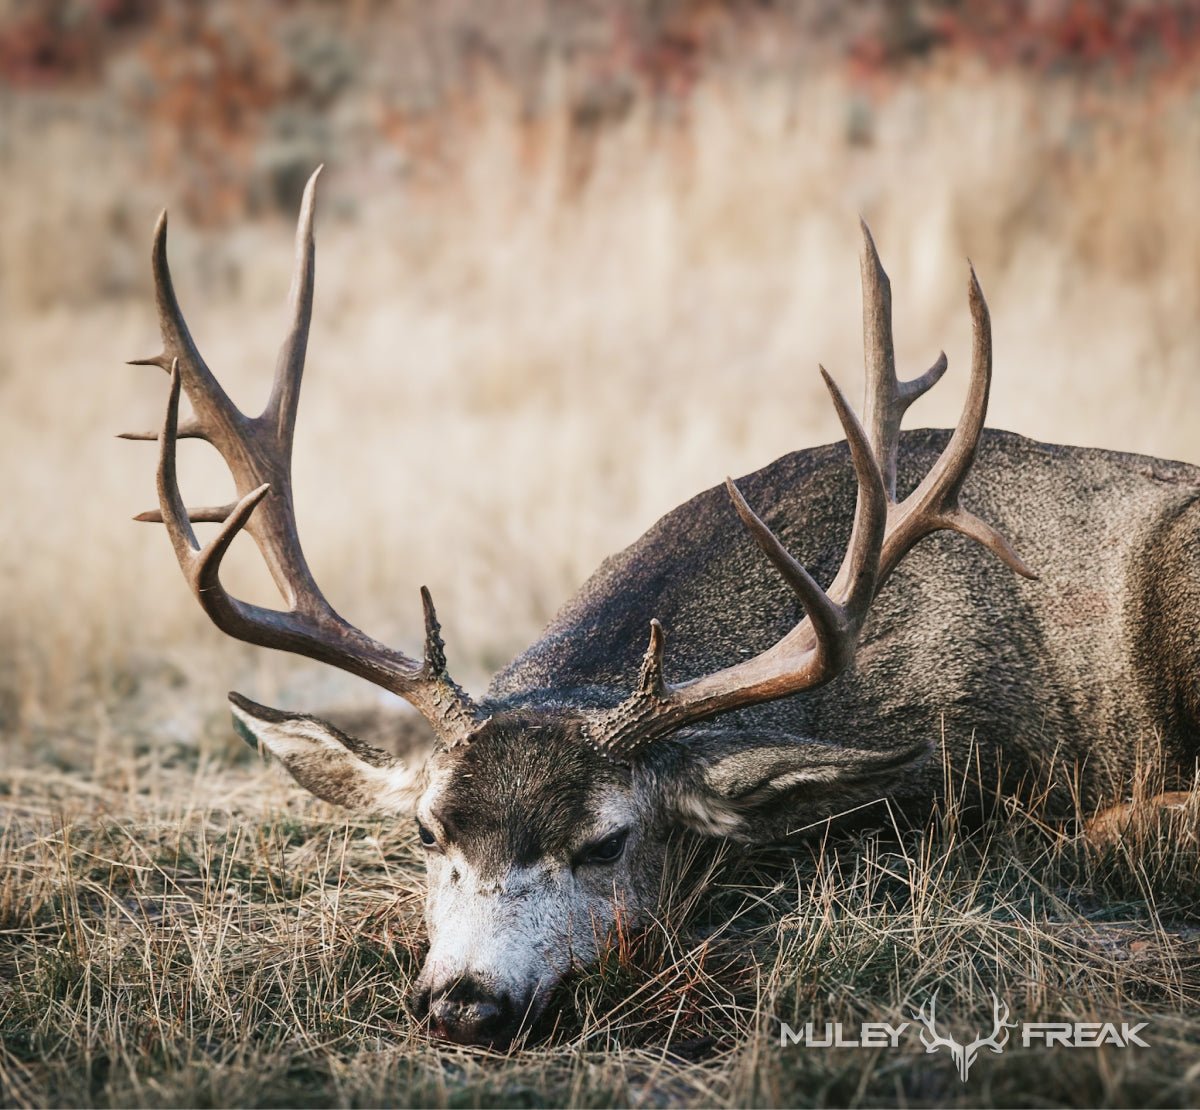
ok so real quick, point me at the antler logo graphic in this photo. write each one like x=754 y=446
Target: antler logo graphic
x=964 y=1055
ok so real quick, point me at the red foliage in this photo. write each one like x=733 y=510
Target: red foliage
x=1047 y=37
x=213 y=77
x=52 y=42
x=210 y=89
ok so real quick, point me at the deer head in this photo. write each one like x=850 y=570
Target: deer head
x=541 y=824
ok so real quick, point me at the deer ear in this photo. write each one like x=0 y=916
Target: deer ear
x=325 y=761
x=733 y=788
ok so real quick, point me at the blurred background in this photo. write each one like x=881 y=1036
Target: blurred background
x=576 y=262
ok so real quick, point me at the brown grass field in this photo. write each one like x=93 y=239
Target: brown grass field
x=537 y=330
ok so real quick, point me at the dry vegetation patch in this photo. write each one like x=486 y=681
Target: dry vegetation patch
x=226 y=942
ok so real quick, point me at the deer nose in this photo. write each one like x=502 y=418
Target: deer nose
x=467 y=1013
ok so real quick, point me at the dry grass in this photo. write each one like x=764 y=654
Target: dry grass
x=225 y=943
x=512 y=374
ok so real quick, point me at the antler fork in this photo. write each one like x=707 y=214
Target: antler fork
x=258 y=452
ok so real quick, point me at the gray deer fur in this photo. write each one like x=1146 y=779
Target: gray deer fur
x=545 y=826
x=1048 y=681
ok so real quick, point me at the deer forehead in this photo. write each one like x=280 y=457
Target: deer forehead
x=522 y=801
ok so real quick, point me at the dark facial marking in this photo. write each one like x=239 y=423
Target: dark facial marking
x=521 y=790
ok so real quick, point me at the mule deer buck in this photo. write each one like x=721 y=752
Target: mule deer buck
x=546 y=805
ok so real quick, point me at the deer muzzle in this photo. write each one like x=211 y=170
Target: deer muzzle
x=466 y=1012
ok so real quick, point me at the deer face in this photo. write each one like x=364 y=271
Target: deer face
x=535 y=846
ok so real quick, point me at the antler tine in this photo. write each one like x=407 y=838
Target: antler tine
x=857 y=580
x=827 y=619
x=289 y=368
x=435 y=647
x=172 y=509
x=886 y=397
x=650 y=676
x=207 y=563
x=879 y=359
x=952 y=468
x=834 y=617
x=187 y=429
x=215 y=413
x=202 y=514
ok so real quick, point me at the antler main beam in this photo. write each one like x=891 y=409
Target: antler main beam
x=823 y=644
x=258 y=452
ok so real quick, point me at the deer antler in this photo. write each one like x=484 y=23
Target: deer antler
x=258 y=452
x=822 y=645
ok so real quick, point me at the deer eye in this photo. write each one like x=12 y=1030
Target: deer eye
x=428 y=840
x=605 y=851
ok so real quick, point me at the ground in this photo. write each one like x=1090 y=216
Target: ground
x=193 y=934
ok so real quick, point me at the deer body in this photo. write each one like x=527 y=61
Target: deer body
x=778 y=702
x=1031 y=680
